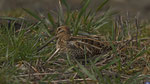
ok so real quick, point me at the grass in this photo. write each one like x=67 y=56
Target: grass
x=20 y=62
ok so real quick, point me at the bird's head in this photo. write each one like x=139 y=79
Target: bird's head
x=63 y=32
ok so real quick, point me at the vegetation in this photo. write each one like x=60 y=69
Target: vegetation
x=22 y=60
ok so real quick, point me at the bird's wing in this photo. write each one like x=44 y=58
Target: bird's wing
x=90 y=45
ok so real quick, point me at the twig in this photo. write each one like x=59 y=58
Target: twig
x=31 y=67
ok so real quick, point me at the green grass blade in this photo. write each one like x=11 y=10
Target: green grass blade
x=100 y=25
x=98 y=73
x=85 y=71
x=7 y=54
x=65 y=3
x=130 y=80
x=67 y=20
x=32 y=14
x=50 y=18
x=35 y=16
x=101 y=5
x=143 y=51
x=113 y=34
x=61 y=14
x=109 y=64
x=87 y=16
x=83 y=10
x=81 y=13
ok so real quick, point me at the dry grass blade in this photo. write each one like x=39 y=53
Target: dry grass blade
x=68 y=80
x=37 y=74
x=52 y=55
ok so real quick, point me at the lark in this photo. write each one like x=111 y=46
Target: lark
x=79 y=46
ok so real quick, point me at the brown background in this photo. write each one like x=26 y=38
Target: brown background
x=142 y=7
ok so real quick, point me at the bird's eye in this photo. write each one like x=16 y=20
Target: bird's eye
x=59 y=29
x=62 y=29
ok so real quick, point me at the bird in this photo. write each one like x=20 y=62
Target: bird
x=77 y=47
x=80 y=46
